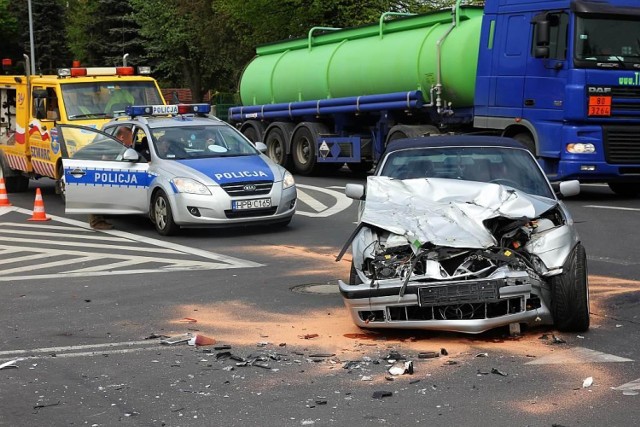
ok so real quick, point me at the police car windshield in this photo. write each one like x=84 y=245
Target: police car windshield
x=202 y=141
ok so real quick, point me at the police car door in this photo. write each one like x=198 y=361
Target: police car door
x=104 y=176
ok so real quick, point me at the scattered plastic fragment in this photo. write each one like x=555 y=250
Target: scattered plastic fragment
x=379 y=394
x=366 y=378
x=179 y=339
x=401 y=368
x=321 y=401
x=10 y=364
x=580 y=336
x=450 y=362
x=556 y=340
x=587 y=382
x=188 y=320
x=428 y=355
x=156 y=336
x=47 y=405
x=222 y=347
x=482 y=372
x=444 y=352
x=394 y=355
x=482 y=355
x=201 y=340
x=322 y=355
x=414 y=381
x=618 y=326
x=309 y=336
x=351 y=364
x=498 y=372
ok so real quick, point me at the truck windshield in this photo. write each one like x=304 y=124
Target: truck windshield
x=607 y=42
x=84 y=101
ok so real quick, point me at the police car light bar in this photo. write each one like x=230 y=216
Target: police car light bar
x=165 y=110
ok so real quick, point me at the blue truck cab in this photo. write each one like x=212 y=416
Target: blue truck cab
x=563 y=77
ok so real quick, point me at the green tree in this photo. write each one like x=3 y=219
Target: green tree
x=192 y=44
x=48 y=32
x=10 y=46
x=101 y=32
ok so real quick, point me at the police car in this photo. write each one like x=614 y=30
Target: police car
x=179 y=166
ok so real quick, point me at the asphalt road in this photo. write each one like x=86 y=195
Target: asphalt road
x=80 y=311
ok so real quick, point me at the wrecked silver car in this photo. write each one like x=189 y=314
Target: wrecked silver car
x=464 y=234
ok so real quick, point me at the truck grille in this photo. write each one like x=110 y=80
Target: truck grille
x=622 y=144
x=248 y=188
x=625 y=101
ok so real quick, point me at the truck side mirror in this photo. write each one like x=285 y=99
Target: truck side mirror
x=541 y=52
x=542 y=33
x=40 y=109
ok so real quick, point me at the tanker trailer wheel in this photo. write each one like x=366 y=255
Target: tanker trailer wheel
x=303 y=147
x=409 y=131
x=276 y=138
x=253 y=130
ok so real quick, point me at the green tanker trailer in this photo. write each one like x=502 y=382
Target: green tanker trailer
x=340 y=94
x=560 y=76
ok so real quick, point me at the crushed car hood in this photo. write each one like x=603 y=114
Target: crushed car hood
x=445 y=212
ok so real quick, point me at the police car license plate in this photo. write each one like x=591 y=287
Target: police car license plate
x=241 y=205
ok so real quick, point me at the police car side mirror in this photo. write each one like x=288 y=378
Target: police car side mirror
x=131 y=155
x=261 y=146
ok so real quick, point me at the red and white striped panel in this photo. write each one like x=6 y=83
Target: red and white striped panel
x=43 y=168
x=17 y=162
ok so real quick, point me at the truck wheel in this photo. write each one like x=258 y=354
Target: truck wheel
x=16 y=184
x=570 y=293
x=162 y=216
x=409 y=131
x=253 y=130
x=276 y=141
x=303 y=150
x=626 y=189
x=526 y=140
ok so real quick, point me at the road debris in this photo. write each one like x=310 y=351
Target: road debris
x=188 y=320
x=444 y=352
x=401 y=368
x=46 y=405
x=201 y=340
x=482 y=355
x=587 y=382
x=379 y=394
x=156 y=336
x=178 y=339
x=309 y=336
x=10 y=364
x=498 y=372
x=428 y=355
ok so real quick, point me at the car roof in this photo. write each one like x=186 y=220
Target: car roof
x=164 y=121
x=453 y=141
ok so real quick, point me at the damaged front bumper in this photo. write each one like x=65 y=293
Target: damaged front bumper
x=469 y=306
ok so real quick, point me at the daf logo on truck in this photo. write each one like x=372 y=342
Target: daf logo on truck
x=600 y=90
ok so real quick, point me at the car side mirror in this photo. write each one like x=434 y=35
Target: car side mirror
x=355 y=191
x=131 y=155
x=566 y=188
x=261 y=146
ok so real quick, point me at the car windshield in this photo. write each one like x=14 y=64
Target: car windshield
x=512 y=167
x=611 y=40
x=203 y=141
x=104 y=99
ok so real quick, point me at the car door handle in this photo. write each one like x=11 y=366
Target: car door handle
x=77 y=173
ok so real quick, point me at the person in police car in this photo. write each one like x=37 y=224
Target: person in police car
x=98 y=222
x=167 y=148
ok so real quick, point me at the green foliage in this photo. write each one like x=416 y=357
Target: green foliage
x=51 y=49
x=10 y=46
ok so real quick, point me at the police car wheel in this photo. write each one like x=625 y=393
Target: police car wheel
x=162 y=216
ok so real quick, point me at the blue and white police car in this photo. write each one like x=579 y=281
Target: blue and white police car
x=179 y=166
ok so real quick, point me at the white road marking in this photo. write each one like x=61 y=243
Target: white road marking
x=342 y=202
x=310 y=201
x=578 y=355
x=611 y=260
x=616 y=208
x=67 y=249
x=81 y=350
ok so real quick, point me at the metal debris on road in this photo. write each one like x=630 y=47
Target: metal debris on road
x=10 y=364
x=498 y=372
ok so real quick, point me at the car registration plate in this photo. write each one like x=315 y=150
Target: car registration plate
x=242 y=205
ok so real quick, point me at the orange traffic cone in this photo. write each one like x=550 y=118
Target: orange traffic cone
x=4 y=199
x=38 y=208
